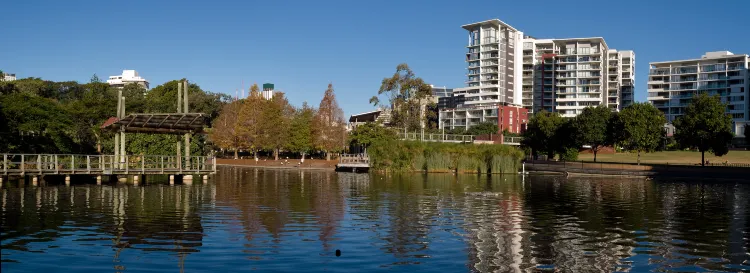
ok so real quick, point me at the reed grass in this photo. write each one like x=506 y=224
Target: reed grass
x=405 y=156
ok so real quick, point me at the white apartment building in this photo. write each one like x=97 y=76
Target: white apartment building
x=8 y=77
x=507 y=69
x=127 y=77
x=568 y=75
x=493 y=64
x=672 y=84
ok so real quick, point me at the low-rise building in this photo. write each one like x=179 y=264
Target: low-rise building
x=381 y=115
x=127 y=77
x=507 y=117
x=8 y=77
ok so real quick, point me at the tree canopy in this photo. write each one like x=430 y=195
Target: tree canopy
x=642 y=125
x=65 y=117
x=705 y=126
x=483 y=128
x=329 y=124
x=541 y=132
x=301 y=140
x=405 y=92
x=591 y=127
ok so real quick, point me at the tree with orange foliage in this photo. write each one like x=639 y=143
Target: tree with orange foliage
x=328 y=125
x=249 y=120
x=225 y=133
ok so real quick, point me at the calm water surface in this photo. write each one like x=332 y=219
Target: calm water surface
x=293 y=221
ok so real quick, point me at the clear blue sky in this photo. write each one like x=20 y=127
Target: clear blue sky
x=301 y=46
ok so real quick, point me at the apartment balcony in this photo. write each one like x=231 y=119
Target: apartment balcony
x=735 y=67
x=663 y=72
x=657 y=81
x=679 y=71
x=684 y=87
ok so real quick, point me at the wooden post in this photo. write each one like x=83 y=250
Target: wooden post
x=72 y=164
x=57 y=166
x=117 y=134
x=179 y=111
x=101 y=164
x=23 y=163
x=39 y=163
x=126 y=165
x=187 y=135
x=5 y=164
x=143 y=164
x=162 y=164
x=88 y=163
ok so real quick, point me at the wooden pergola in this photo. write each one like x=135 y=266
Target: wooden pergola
x=169 y=123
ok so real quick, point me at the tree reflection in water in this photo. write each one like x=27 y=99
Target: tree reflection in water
x=292 y=220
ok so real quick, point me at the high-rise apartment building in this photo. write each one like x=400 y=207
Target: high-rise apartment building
x=493 y=48
x=508 y=69
x=672 y=84
x=568 y=75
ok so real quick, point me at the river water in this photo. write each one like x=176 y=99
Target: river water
x=295 y=221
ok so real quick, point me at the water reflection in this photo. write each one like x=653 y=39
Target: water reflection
x=253 y=219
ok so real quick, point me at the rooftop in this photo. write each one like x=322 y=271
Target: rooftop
x=714 y=55
x=493 y=22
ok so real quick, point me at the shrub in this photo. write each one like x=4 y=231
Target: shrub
x=570 y=154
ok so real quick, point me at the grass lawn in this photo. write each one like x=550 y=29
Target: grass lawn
x=670 y=157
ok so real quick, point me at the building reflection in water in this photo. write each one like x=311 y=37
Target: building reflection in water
x=501 y=223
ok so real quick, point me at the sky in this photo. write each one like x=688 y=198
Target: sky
x=302 y=46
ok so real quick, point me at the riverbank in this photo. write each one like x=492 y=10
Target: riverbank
x=435 y=157
x=643 y=170
x=670 y=157
x=309 y=164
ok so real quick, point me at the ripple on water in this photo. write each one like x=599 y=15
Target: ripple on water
x=291 y=221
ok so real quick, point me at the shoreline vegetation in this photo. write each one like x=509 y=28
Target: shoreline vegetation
x=434 y=157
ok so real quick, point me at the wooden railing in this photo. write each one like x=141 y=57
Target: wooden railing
x=436 y=137
x=30 y=164
x=354 y=159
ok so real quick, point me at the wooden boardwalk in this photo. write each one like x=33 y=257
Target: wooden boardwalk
x=353 y=162
x=59 y=164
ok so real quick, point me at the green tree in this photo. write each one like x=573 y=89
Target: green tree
x=301 y=131
x=483 y=128
x=566 y=142
x=615 y=127
x=369 y=133
x=274 y=126
x=36 y=125
x=705 y=125
x=642 y=127
x=406 y=94
x=95 y=79
x=541 y=132
x=591 y=127
x=329 y=130
x=249 y=124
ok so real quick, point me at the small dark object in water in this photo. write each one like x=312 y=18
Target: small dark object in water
x=338 y=252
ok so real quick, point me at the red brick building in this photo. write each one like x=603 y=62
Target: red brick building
x=512 y=118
